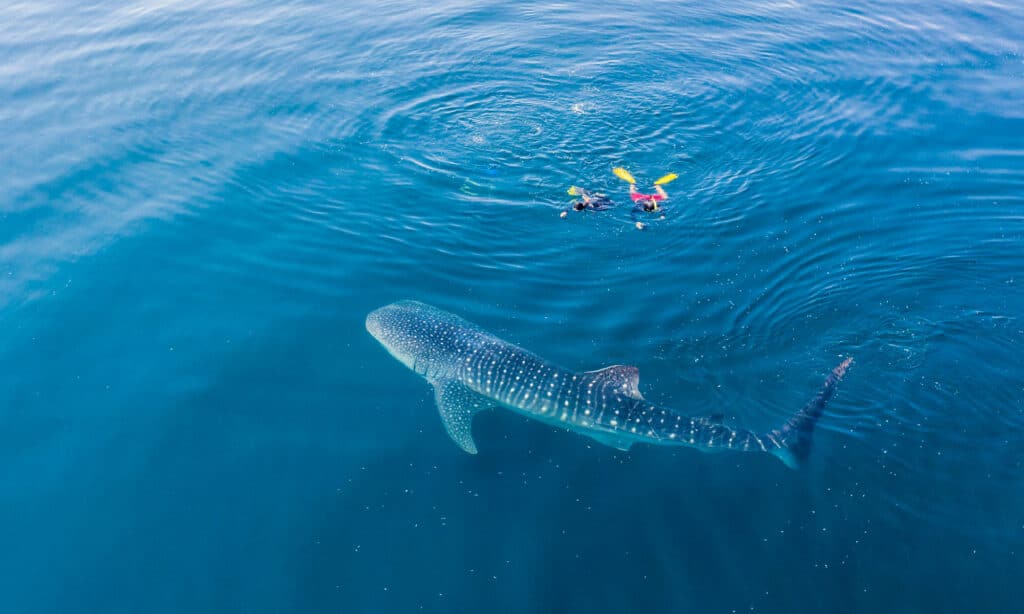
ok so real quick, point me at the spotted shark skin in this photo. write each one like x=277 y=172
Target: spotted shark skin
x=471 y=370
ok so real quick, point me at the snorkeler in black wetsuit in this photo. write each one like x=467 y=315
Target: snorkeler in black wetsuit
x=589 y=201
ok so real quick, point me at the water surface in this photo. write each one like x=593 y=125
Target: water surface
x=200 y=202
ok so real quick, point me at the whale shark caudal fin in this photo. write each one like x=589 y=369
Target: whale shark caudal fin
x=619 y=376
x=457 y=405
x=794 y=438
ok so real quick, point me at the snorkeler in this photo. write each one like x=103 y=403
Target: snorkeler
x=645 y=203
x=589 y=201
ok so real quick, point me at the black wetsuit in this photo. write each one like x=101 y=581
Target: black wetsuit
x=597 y=203
x=592 y=202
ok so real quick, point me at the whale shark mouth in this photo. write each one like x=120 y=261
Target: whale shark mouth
x=373 y=324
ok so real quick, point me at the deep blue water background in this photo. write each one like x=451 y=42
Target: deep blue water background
x=199 y=203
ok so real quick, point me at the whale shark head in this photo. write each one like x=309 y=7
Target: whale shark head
x=421 y=337
x=395 y=327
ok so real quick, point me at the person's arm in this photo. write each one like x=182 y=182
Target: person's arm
x=632 y=215
x=634 y=210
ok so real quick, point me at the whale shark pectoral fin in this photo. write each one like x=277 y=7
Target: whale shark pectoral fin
x=623 y=377
x=612 y=441
x=457 y=405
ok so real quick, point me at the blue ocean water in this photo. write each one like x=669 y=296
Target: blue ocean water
x=200 y=202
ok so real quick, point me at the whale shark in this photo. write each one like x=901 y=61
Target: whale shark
x=472 y=370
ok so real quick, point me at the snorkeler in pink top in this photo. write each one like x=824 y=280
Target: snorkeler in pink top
x=646 y=203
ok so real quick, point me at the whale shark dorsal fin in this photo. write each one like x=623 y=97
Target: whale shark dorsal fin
x=457 y=405
x=622 y=377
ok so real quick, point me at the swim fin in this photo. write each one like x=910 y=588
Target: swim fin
x=623 y=174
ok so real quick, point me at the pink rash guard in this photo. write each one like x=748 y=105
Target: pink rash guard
x=638 y=196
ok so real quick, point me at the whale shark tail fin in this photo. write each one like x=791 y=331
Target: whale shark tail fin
x=794 y=438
